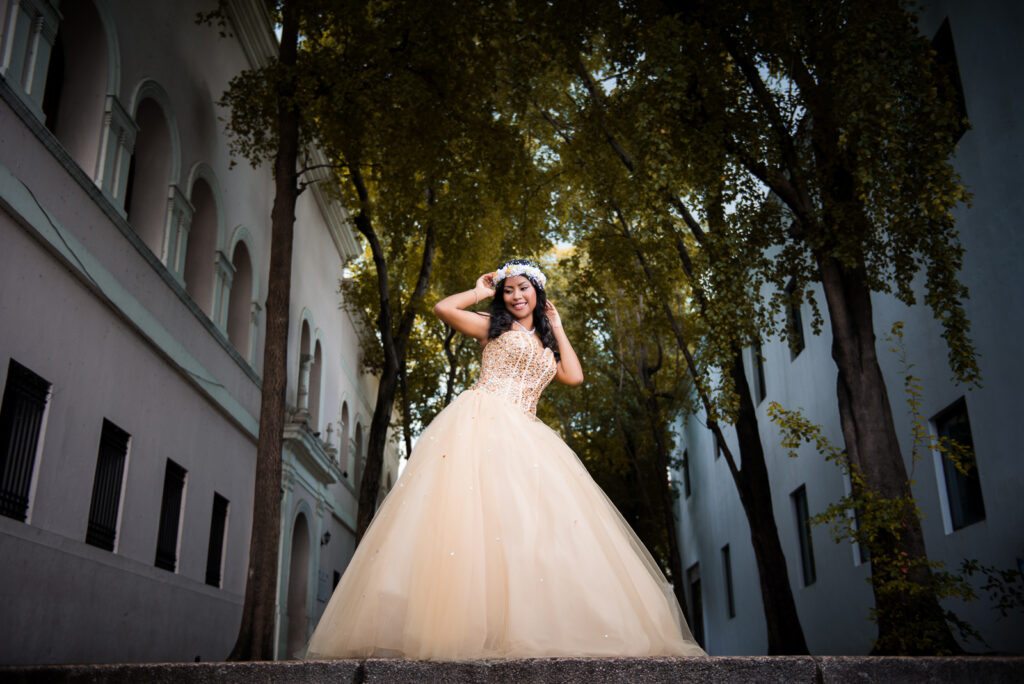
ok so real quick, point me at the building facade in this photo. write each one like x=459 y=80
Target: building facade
x=133 y=271
x=978 y=518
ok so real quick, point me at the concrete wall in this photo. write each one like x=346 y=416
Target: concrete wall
x=834 y=610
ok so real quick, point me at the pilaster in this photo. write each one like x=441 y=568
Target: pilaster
x=179 y=220
x=31 y=29
x=222 y=290
x=117 y=143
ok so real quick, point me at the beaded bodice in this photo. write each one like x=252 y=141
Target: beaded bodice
x=516 y=368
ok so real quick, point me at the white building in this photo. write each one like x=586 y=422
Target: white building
x=133 y=271
x=961 y=520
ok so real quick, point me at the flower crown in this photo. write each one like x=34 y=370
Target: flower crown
x=527 y=270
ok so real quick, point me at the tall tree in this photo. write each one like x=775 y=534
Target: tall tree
x=429 y=166
x=596 y=139
x=255 y=639
x=844 y=115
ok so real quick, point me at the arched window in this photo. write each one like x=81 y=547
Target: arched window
x=76 y=83
x=343 y=445
x=315 y=380
x=201 y=253
x=149 y=175
x=240 y=310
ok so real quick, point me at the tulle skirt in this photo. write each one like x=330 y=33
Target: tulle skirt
x=496 y=543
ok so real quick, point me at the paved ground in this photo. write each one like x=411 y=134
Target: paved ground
x=813 y=670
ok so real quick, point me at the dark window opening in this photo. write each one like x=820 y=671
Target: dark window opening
x=803 y=530
x=215 y=551
x=730 y=601
x=54 y=87
x=949 y=72
x=963 y=491
x=794 y=321
x=106 y=487
x=129 y=187
x=686 y=473
x=759 y=392
x=696 y=604
x=170 y=517
x=21 y=420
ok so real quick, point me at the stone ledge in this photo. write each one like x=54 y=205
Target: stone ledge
x=796 y=669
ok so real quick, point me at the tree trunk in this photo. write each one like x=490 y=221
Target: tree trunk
x=873 y=448
x=394 y=342
x=665 y=498
x=785 y=634
x=256 y=633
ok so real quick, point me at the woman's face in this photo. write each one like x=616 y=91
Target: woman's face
x=520 y=297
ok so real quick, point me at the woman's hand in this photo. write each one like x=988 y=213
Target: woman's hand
x=484 y=286
x=568 y=369
x=552 y=313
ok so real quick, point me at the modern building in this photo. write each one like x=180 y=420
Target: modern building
x=980 y=517
x=133 y=271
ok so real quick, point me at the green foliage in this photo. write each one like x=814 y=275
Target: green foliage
x=635 y=389
x=876 y=523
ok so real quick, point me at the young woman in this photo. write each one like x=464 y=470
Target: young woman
x=496 y=542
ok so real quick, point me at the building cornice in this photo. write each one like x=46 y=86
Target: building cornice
x=254 y=29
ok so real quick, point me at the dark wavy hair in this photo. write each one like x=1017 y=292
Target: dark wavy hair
x=501 y=317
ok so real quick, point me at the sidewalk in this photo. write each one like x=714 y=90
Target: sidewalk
x=792 y=669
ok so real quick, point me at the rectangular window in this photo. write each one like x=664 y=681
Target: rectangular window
x=759 y=392
x=170 y=517
x=106 y=487
x=948 y=69
x=686 y=472
x=21 y=421
x=803 y=531
x=696 y=604
x=963 y=491
x=794 y=321
x=215 y=551
x=730 y=601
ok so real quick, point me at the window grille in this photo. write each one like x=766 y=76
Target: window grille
x=106 y=487
x=215 y=552
x=170 y=516
x=21 y=419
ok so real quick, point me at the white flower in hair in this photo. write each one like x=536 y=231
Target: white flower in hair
x=520 y=269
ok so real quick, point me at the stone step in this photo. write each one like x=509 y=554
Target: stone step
x=813 y=670
x=788 y=669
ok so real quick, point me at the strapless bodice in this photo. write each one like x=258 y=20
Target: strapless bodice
x=516 y=368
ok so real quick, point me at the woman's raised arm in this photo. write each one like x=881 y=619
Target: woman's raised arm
x=452 y=311
x=569 y=369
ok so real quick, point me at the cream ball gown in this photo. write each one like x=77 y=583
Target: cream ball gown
x=496 y=543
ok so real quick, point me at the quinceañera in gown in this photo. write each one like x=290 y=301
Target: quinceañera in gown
x=495 y=542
